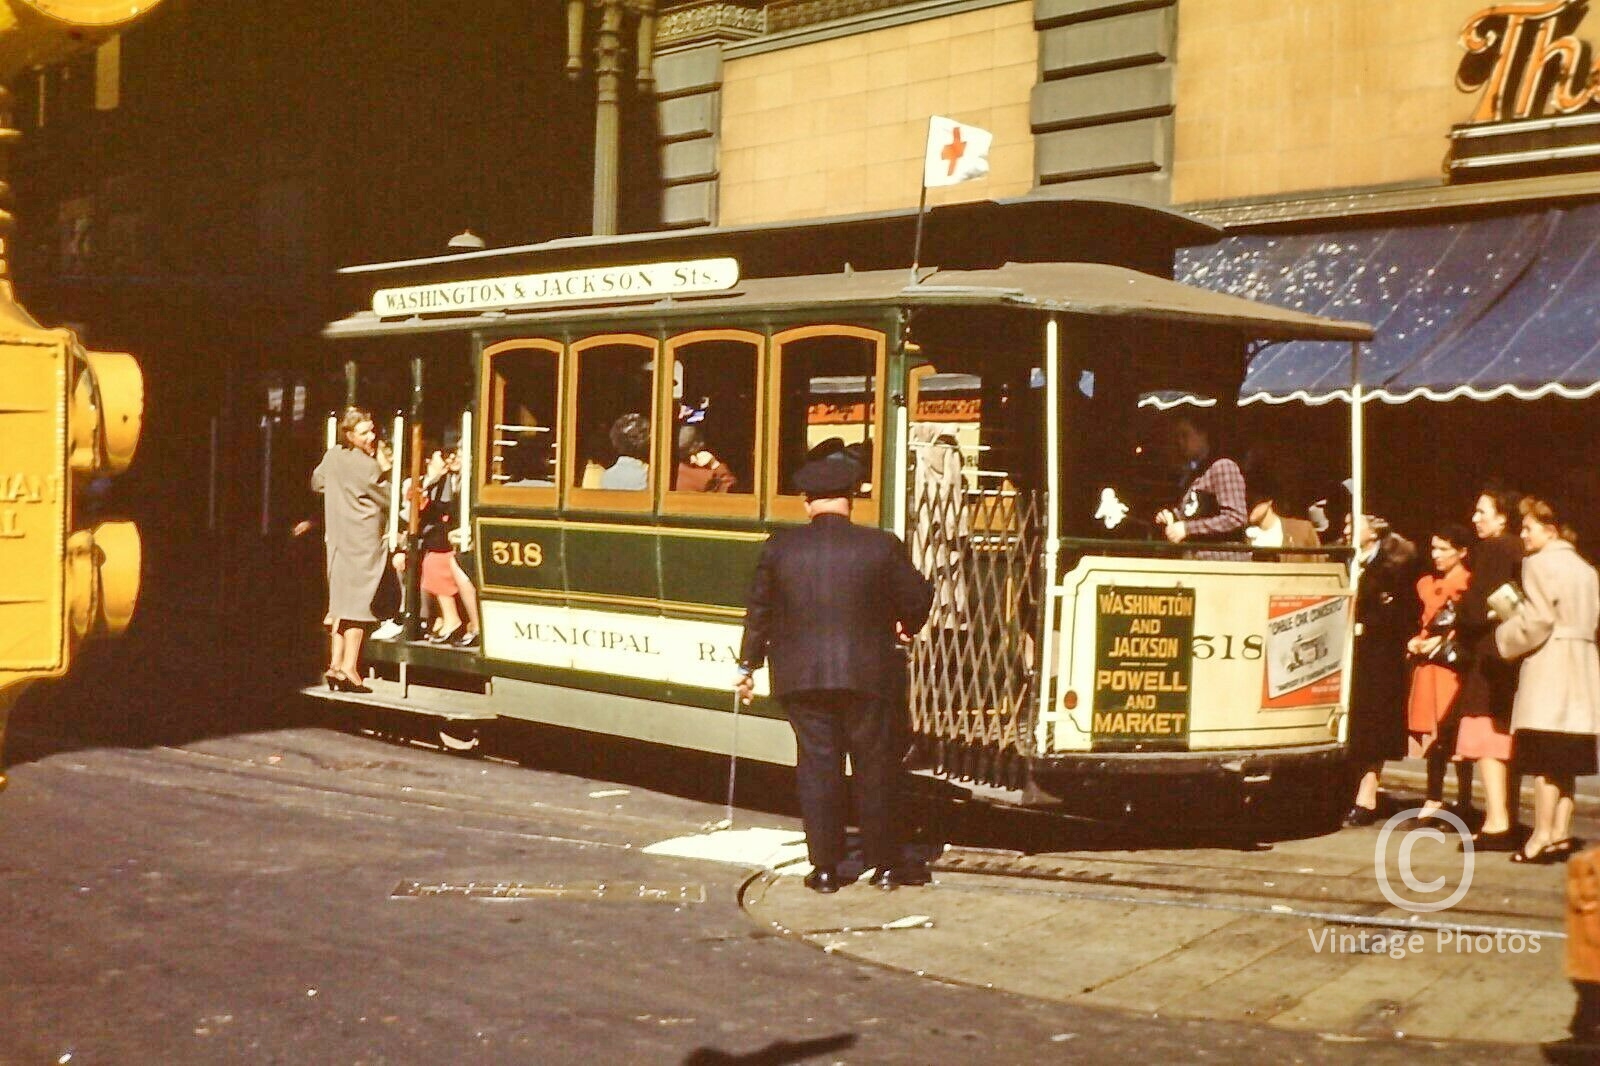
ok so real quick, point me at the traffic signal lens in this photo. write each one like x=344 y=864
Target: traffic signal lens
x=103 y=571
x=120 y=557
x=107 y=413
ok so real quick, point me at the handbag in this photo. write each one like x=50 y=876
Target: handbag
x=1451 y=653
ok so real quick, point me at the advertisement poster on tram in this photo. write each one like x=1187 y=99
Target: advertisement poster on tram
x=1143 y=647
x=1305 y=651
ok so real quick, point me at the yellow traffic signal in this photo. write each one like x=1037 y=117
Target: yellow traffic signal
x=67 y=416
x=37 y=33
x=104 y=421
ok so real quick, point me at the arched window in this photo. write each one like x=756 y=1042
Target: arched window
x=520 y=441
x=611 y=415
x=827 y=395
x=710 y=443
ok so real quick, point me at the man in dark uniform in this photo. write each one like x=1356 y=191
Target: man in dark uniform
x=829 y=602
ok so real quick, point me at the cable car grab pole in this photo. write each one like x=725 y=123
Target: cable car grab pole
x=1052 y=542
x=1358 y=503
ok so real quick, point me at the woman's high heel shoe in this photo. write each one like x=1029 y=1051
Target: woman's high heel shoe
x=450 y=639
x=341 y=682
x=332 y=678
x=1548 y=855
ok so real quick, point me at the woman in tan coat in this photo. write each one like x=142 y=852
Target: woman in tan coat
x=353 y=480
x=1555 y=718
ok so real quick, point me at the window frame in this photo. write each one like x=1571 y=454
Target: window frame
x=731 y=505
x=532 y=496
x=867 y=510
x=636 y=501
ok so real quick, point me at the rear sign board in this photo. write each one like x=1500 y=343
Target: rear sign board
x=1143 y=664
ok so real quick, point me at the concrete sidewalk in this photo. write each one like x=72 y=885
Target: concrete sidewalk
x=1411 y=775
x=1298 y=937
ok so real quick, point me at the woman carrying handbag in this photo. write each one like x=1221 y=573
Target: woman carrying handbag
x=1438 y=658
x=1555 y=718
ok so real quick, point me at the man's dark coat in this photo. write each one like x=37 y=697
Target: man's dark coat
x=823 y=606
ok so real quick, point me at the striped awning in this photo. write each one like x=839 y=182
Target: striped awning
x=1507 y=305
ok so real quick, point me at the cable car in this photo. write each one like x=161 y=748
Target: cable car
x=632 y=411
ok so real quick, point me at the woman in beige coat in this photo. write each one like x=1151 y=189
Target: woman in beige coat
x=353 y=480
x=1555 y=718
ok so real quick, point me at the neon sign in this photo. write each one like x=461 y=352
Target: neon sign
x=1527 y=61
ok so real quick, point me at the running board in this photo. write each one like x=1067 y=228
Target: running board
x=445 y=703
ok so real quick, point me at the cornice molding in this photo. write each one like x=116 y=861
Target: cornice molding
x=795 y=14
x=709 y=20
x=1389 y=201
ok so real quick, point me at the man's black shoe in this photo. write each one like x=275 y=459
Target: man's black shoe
x=823 y=879
x=890 y=877
x=1360 y=817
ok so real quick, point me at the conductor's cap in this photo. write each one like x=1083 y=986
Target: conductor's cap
x=835 y=476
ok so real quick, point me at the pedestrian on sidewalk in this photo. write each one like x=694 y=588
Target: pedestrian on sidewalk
x=1436 y=663
x=829 y=605
x=1555 y=720
x=1489 y=683
x=1386 y=604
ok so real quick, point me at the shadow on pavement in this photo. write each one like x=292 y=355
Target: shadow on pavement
x=777 y=1053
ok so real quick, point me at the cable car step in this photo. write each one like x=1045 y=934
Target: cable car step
x=416 y=699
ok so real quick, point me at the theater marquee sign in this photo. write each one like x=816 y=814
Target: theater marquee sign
x=1538 y=92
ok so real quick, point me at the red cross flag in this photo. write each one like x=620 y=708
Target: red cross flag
x=956 y=153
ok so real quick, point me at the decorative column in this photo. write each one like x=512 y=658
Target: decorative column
x=608 y=69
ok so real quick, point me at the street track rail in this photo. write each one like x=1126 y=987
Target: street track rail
x=1204 y=885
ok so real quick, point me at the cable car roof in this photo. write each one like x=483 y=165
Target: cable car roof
x=1083 y=289
x=1039 y=227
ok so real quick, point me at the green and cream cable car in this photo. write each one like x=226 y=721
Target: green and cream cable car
x=636 y=410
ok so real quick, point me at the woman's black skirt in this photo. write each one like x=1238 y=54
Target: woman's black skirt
x=1539 y=751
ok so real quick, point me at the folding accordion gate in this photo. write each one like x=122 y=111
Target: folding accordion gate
x=973 y=668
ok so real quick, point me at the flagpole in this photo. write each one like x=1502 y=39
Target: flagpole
x=916 y=246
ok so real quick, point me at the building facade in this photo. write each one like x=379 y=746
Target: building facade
x=1424 y=166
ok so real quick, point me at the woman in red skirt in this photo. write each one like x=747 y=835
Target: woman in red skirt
x=439 y=518
x=1489 y=684
x=1435 y=683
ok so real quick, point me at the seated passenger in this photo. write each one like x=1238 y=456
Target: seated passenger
x=1267 y=528
x=630 y=437
x=1211 y=501
x=698 y=469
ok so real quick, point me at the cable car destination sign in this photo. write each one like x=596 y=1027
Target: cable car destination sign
x=1144 y=649
x=562 y=286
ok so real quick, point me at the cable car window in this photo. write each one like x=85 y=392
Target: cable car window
x=521 y=433
x=613 y=389
x=713 y=435
x=828 y=399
